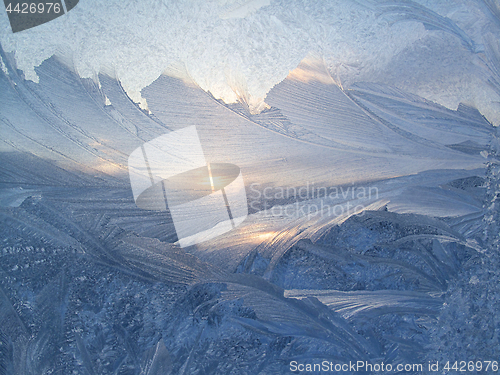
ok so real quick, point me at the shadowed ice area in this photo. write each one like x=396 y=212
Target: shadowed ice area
x=92 y=284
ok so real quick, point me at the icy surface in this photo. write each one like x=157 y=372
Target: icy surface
x=406 y=273
x=445 y=51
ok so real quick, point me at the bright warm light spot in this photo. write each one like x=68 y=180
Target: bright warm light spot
x=265 y=235
x=311 y=69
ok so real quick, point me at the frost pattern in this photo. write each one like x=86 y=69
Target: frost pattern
x=447 y=52
x=91 y=284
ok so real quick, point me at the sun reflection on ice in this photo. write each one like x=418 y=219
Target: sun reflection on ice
x=264 y=236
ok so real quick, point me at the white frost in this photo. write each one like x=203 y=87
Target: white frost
x=240 y=50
